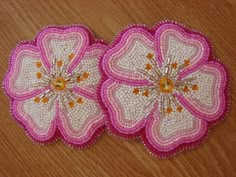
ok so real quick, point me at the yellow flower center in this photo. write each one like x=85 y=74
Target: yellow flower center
x=166 y=85
x=59 y=84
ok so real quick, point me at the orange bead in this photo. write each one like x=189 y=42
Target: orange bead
x=149 y=56
x=195 y=87
x=186 y=62
x=36 y=99
x=71 y=56
x=39 y=75
x=146 y=93
x=136 y=91
x=71 y=104
x=79 y=79
x=179 y=109
x=148 y=66
x=169 y=110
x=38 y=64
x=80 y=101
x=59 y=63
x=185 y=89
x=45 y=99
x=85 y=75
x=174 y=65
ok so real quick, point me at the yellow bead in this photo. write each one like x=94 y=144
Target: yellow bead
x=59 y=84
x=166 y=85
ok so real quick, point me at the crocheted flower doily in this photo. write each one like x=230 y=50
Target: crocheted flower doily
x=53 y=83
x=164 y=85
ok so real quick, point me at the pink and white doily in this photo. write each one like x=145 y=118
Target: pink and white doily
x=53 y=84
x=163 y=85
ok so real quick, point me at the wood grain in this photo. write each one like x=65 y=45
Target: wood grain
x=112 y=156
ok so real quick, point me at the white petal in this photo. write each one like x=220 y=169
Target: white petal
x=123 y=60
x=167 y=132
x=21 y=79
x=39 y=120
x=78 y=124
x=128 y=111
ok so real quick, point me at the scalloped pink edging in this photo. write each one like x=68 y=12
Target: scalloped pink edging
x=141 y=133
x=57 y=134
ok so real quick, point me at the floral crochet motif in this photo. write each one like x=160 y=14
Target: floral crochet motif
x=53 y=85
x=163 y=85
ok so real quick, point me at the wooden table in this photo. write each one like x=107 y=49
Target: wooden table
x=113 y=156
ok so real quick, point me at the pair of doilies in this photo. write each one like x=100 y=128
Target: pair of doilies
x=162 y=84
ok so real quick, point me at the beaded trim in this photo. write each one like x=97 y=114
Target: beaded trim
x=165 y=86
x=53 y=84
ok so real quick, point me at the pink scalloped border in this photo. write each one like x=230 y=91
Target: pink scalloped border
x=141 y=134
x=57 y=134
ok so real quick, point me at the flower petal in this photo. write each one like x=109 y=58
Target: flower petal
x=180 y=44
x=128 y=111
x=64 y=44
x=38 y=119
x=208 y=102
x=21 y=78
x=89 y=65
x=79 y=122
x=166 y=134
x=127 y=54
